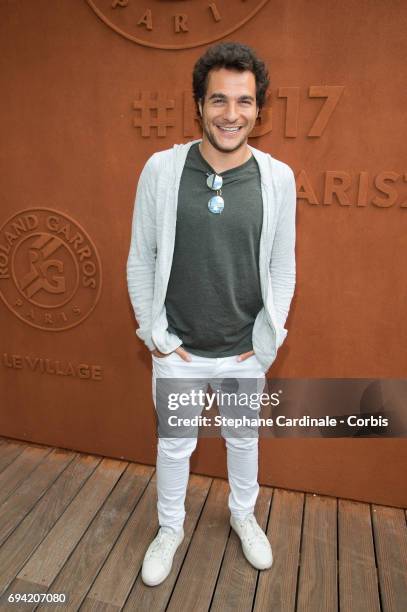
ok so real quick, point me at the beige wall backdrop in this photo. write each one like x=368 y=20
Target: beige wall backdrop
x=90 y=89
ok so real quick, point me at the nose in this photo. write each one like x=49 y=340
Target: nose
x=231 y=112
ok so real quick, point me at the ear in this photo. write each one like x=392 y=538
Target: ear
x=200 y=108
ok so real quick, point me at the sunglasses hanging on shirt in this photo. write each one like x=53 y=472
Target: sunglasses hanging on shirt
x=216 y=204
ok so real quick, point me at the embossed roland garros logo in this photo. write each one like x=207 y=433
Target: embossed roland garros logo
x=50 y=271
x=175 y=24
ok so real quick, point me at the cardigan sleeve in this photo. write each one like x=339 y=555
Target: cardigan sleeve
x=142 y=255
x=282 y=263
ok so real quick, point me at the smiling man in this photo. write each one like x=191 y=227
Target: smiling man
x=227 y=120
x=211 y=275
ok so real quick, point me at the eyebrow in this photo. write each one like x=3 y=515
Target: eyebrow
x=221 y=95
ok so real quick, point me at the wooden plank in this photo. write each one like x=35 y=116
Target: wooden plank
x=20 y=469
x=52 y=553
x=155 y=599
x=358 y=584
x=237 y=580
x=214 y=579
x=115 y=580
x=317 y=587
x=9 y=451
x=19 y=503
x=82 y=567
x=197 y=578
x=276 y=588
x=390 y=537
x=36 y=525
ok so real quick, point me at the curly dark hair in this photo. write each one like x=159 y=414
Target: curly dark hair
x=235 y=56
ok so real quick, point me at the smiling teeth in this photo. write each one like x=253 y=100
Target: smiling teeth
x=230 y=129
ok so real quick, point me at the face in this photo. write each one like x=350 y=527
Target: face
x=230 y=102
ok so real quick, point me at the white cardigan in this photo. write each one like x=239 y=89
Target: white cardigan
x=152 y=245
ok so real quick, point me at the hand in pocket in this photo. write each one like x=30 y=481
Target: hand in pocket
x=181 y=352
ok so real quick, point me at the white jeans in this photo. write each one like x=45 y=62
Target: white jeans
x=173 y=453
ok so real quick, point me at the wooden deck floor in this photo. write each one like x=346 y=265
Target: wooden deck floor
x=79 y=524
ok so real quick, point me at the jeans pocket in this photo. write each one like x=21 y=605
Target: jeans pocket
x=162 y=358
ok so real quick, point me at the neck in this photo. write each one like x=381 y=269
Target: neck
x=224 y=160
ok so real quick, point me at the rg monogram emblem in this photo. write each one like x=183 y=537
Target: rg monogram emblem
x=50 y=271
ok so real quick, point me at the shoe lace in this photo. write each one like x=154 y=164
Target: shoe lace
x=162 y=544
x=252 y=532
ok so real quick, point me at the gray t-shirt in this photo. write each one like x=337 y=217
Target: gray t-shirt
x=213 y=293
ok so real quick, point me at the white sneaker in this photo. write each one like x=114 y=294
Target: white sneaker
x=255 y=544
x=159 y=556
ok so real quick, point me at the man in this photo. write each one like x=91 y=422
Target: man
x=211 y=275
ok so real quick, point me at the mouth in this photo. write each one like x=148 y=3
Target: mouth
x=232 y=130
